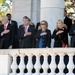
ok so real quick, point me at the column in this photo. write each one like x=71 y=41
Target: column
x=30 y=8
x=51 y=11
x=21 y=8
x=35 y=11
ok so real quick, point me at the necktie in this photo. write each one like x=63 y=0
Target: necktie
x=25 y=29
x=4 y=27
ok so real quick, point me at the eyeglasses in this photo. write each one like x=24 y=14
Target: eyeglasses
x=43 y=24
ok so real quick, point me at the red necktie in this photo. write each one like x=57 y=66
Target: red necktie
x=24 y=29
x=5 y=27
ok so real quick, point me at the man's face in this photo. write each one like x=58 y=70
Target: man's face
x=26 y=21
x=9 y=17
x=65 y=13
x=4 y=21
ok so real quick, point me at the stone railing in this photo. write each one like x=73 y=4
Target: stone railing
x=48 y=61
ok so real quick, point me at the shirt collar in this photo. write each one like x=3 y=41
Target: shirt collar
x=27 y=27
x=10 y=21
x=6 y=25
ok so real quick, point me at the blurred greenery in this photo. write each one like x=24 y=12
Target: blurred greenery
x=5 y=7
x=70 y=7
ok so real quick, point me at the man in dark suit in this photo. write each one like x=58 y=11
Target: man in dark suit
x=72 y=34
x=0 y=23
x=6 y=34
x=26 y=34
x=14 y=24
x=67 y=21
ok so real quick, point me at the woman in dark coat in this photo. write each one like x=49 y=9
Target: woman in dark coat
x=60 y=35
x=43 y=36
x=60 y=40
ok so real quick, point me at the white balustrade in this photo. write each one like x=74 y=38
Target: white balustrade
x=70 y=65
x=21 y=65
x=37 y=65
x=14 y=65
x=53 y=64
x=29 y=65
x=61 y=64
x=45 y=66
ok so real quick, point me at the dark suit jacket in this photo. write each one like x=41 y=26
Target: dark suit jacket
x=58 y=40
x=46 y=38
x=68 y=22
x=1 y=43
x=15 y=26
x=7 y=38
x=26 y=41
x=72 y=33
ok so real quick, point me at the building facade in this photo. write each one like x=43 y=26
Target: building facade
x=37 y=10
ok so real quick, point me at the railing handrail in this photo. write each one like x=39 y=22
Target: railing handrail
x=49 y=54
x=36 y=50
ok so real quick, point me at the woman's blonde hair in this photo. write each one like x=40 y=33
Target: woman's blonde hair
x=63 y=25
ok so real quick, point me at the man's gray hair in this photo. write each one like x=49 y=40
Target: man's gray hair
x=5 y=17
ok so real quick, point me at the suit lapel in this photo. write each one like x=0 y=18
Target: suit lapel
x=8 y=26
x=23 y=29
x=2 y=28
x=29 y=29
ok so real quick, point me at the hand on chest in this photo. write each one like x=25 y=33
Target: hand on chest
x=6 y=30
x=27 y=31
x=43 y=33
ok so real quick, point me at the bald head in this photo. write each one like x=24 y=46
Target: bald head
x=4 y=20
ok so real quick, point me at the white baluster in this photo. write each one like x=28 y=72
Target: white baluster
x=61 y=64
x=53 y=64
x=14 y=65
x=45 y=64
x=37 y=65
x=29 y=65
x=21 y=65
x=70 y=65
